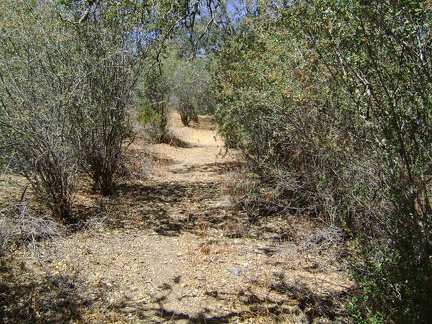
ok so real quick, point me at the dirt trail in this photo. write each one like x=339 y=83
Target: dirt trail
x=175 y=247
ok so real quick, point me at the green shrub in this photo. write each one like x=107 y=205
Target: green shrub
x=153 y=93
x=330 y=101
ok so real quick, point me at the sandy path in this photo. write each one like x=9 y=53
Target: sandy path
x=175 y=247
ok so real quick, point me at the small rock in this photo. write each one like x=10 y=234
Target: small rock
x=235 y=271
x=177 y=279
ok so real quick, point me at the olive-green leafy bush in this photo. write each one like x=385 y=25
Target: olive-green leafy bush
x=35 y=85
x=330 y=102
x=153 y=92
x=190 y=87
x=179 y=83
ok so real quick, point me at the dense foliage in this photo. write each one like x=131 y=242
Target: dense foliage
x=68 y=70
x=330 y=101
x=35 y=84
x=180 y=81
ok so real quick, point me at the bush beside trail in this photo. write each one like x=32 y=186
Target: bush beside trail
x=329 y=101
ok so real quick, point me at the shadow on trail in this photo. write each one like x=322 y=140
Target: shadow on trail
x=215 y=168
x=51 y=299
x=167 y=208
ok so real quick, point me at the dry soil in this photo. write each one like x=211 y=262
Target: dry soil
x=176 y=246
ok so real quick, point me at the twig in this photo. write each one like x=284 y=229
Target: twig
x=151 y=283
